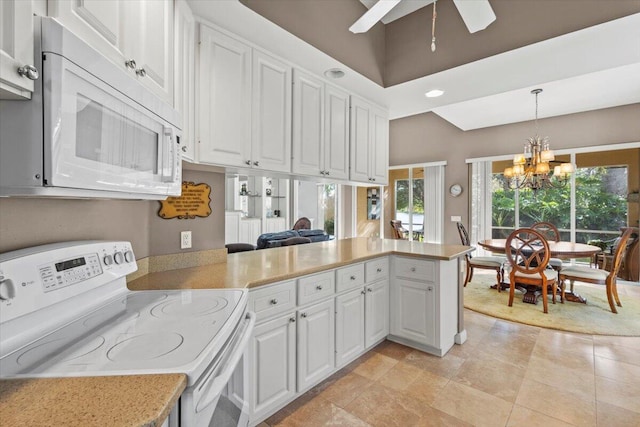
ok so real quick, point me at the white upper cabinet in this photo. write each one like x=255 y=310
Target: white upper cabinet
x=184 y=72
x=136 y=34
x=271 y=114
x=369 y=143
x=320 y=128
x=224 y=100
x=308 y=124
x=336 y=134
x=16 y=50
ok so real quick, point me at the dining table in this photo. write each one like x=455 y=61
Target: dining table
x=561 y=249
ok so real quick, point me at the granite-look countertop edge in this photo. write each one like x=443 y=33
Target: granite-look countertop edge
x=123 y=400
x=267 y=266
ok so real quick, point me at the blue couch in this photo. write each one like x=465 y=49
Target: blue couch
x=274 y=240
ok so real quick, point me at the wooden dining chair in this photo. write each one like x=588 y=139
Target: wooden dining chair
x=600 y=277
x=482 y=262
x=551 y=233
x=528 y=253
x=399 y=232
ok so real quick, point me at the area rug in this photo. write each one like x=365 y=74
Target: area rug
x=594 y=317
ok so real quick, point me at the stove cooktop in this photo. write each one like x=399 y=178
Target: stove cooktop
x=139 y=332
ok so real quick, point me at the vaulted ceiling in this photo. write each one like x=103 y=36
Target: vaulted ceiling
x=584 y=54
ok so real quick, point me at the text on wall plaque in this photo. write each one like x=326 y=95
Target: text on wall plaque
x=194 y=201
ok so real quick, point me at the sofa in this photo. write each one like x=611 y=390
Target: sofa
x=284 y=238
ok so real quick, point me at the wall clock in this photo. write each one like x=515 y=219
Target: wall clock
x=455 y=190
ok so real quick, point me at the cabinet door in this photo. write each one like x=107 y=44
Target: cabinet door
x=316 y=343
x=376 y=312
x=308 y=103
x=148 y=38
x=16 y=48
x=379 y=149
x=245 y=232
x=336 y=134
x=272 y=369
x=99 y=23
x=224 y=99
x=271 y=114
x=256 y=230
x=231 y=227
x=350 y=330
x=414 y=311
x=184 y=73
x=360 y=137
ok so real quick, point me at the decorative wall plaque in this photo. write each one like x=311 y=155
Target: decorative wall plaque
x=194 y=201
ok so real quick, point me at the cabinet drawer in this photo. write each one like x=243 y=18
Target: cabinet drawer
x=271 y=300
x=415 y=269
x=377 y=269
x=349 y=277
x=315 y=287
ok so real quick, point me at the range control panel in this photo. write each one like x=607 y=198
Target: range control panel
x=34 y=278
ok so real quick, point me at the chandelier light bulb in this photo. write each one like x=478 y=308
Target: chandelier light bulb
x=433 y=44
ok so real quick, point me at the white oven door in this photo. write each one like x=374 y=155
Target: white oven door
x=97 y=138
x=219 y=398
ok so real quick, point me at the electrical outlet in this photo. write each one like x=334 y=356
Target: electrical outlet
x=455 y=218
x=185 y=239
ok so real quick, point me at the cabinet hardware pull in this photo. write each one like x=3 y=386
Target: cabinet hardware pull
x=292 y=319
x=369 y=290
x=353 y=277
x=184 y=149
x=303 y=314
x=413 y=269
x=248 y=162
x=430 y=288
x=141 y=72
x=131 y=64
x=256 y=163
x=363 y=292
x=29 y=71
x=326 y=173
x=319 y=287
x=379 y=270
x=274 y=301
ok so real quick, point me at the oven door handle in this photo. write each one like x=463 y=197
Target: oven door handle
x=229 y=364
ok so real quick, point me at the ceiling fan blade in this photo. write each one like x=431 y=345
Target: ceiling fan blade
x=372 y=16
x=476 y=14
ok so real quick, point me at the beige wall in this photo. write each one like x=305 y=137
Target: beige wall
x=28 y=222
x=427 y=138
x=325 y=24
x=365 y=227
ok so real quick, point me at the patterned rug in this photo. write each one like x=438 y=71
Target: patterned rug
x=594 y=317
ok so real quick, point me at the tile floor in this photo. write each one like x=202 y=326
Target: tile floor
x=506 y=374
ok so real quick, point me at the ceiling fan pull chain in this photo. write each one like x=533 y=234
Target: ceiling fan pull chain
x=433 y=28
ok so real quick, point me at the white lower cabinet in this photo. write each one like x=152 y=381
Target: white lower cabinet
x=414 y=311
x=316 y=343
x=273 y=365
x=376 y=312
x=350 y=328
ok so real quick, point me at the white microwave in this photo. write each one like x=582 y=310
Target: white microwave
x=90 y=130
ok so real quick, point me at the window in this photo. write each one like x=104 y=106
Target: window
x=409 y=205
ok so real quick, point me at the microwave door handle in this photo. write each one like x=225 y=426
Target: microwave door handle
x=168 y=162
x=228 y=365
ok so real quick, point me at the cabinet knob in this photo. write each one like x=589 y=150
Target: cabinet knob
x=363 y=292
x=303 y=314
x=274 y=301
x=353 y=277
x=292 y=319
x=29 y=71
x=247 y=162
x=256 y=163
x=131 y=64
x=430 y=288
x=141 y=72
x=379 y=270
x=373 y=179
x=413 y=269
x=369 y=290
x=326 y=173
x=184 y=148
x=321 y=172
x=319 y=287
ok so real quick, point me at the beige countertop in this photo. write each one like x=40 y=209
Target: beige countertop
x=131 y=400
x=256 y=268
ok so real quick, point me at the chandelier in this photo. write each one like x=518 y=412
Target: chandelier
x=531 y=168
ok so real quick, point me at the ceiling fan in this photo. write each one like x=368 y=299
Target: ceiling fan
x=476 y=14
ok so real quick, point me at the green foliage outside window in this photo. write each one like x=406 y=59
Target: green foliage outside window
x=402 y=196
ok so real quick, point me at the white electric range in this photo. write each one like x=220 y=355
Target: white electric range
x=65 y=311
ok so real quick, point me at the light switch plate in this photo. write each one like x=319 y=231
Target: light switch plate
x=456 y=218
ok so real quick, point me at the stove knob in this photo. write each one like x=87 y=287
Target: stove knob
x=108 y=260
x=128 y=256
x=118 y=257
x=7 y=290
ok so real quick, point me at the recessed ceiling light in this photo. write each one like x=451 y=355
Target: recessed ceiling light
x=434 y=93
x=334 y=73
